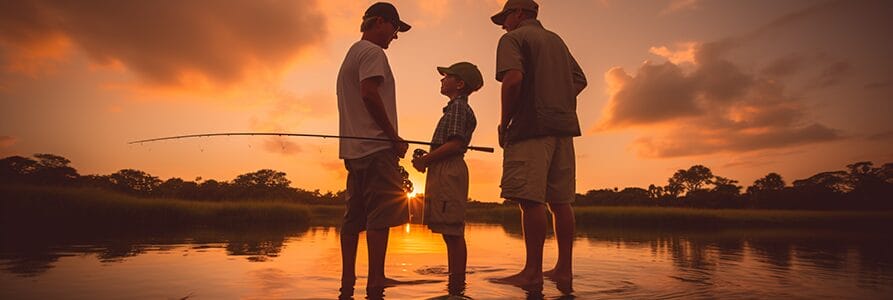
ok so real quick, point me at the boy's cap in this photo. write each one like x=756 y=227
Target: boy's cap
x=466 y=71
x=510 y=5
x=388 y=12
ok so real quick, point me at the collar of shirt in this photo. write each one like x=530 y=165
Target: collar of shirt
x=530 y=22
x=460 y=99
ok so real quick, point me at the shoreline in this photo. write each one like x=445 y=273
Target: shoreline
x=34 y=207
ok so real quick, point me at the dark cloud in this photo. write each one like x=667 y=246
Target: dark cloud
x=785 y=66
x=688 y=140
x=170 y=43
x=881 y=136
x=658 y=93
x=878 y=84
x=831 y=75
x=704 y=101
x=720 y=81
x=716 y=107
x=827 y=70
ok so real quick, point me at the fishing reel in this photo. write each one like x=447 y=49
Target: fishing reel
x=407 y=184
x=418 y=153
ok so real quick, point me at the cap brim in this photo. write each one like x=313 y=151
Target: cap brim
x=444 y=71
x=403 y=27
x=499 y=18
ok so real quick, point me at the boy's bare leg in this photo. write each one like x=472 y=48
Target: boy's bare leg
x=348 y=262
x=564 y=225
x=457 y=256
x=533 y=221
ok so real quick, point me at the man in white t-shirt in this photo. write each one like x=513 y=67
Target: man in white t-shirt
x=367 y=107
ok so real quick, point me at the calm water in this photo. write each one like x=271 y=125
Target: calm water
x=305 y=263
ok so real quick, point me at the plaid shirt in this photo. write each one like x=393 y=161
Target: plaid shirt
x=458 y=121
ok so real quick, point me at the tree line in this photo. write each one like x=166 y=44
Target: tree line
x=55 y=170
x=862 y=186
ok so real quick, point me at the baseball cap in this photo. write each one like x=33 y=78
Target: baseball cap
x=388 y=12
x=510 y=5
x=466 y=71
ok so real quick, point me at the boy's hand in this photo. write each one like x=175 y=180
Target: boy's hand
x=420 y=163
x=416 y=160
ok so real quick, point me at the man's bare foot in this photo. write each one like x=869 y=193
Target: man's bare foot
x=522 y=279
x=558 y=275
x=388 y=282
x=382 y=283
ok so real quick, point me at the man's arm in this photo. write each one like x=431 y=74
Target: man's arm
x=511 y=94
x=372 y=100
x=579 y=77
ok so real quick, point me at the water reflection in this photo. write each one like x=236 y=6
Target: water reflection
x=609 y=262
x=709 y=263
x=35 y=252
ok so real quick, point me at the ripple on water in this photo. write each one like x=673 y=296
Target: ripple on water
x=442 y=270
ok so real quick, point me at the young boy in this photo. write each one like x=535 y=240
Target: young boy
x=446 y=186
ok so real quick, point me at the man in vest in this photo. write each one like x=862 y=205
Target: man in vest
x=540 y=83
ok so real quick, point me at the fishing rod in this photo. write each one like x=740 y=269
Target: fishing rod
x=475 y=148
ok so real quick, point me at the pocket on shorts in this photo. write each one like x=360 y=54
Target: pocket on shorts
x=514 y=175
x=444 y=212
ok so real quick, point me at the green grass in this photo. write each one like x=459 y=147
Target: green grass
x=81 y=207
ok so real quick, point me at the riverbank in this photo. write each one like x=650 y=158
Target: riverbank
x=80 y=207
x=35 y=207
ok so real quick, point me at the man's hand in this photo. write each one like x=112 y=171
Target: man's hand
x=400 y=147
x=500 y=131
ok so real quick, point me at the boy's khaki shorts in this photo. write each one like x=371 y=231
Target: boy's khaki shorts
x=446 y=191
x=539 y=169
x=375 y=196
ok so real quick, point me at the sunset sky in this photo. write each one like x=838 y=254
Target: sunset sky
x=742 y=87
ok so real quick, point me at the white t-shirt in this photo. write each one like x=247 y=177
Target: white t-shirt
x=364 y=60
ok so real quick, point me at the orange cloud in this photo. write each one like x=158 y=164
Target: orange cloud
x=7 y=141
x=336 y=167
x=684 y=53
x=484 y=171
x=715 y=107
x=168 y=44
x=281 y=145
x=288 y=112
x=680 y=5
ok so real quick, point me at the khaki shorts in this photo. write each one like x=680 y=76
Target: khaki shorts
x=446 y=191
x=375 y=196
x=539 y=169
